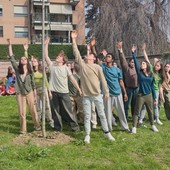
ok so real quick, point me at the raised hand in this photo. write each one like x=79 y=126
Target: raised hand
x=47 y=40
x=9 y=41
x=88 y=47
x=134 y=48
x=144 y=46
x=104 y=52
x=25 y=46
x=74 y=34
x=119 y=44
x=93 y=41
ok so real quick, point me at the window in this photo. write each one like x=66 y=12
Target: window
x=21 y=32
x=20 y=11
x=1 y=31
x=1 y=11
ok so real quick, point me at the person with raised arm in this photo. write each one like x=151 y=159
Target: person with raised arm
x=156 y=70
x=116 y=86
x=146 y=94
x=130 y=78
x=58 y=85
x=25 y=90
x=91 y=77
x=38 y=79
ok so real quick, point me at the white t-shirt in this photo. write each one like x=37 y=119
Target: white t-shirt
x=59 y=78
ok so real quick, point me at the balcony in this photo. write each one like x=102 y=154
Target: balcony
x=74 y=2
x=37 y=18
x=39 y=2
x=59 y=39
x=55 y=39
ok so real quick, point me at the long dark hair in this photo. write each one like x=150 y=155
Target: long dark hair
x=39 y=65
x=20 y=67
x=164 y=77
x=10 y=72
x=148 y=69
x=161 y=69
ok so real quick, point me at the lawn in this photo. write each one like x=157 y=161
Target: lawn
x=144 y=151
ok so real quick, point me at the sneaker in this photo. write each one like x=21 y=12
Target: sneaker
x=51 y=123
x=134 y=130
x=94 y=126
x=140 y=121
x=87 y=139
x=38 y=128
x=154 y=128
x=109 y=136
x=159 y=122
x=142 y=125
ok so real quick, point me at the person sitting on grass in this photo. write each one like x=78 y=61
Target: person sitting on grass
x=8 y=85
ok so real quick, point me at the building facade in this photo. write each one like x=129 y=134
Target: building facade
x=21 y=21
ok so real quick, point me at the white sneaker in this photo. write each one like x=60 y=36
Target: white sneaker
x=87 y=139
x=153 y=127
x=94 y=126
x=134 y=130
x=159 y=122
x=109 y=136
x=140 y=121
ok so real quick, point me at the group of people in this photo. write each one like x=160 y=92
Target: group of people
x=92 y=85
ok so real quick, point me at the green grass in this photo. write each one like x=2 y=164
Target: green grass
x=144 y=151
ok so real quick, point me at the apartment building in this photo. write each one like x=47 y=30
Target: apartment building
x=21 y=20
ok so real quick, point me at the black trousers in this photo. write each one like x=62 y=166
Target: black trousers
x=61 y=109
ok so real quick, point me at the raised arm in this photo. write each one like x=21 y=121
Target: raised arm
x=144 y=52
x=11 y=55
x=137 y=67
x=10 y=47
x=88 y=49
x=124 y=63
x=25 y=46
x=76 y=52
x=93 y=45
x=47 y=58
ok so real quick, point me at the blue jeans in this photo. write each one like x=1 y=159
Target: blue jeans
x=132 y=96
x=98 y=101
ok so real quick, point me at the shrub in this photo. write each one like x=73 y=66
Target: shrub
x=36 y=50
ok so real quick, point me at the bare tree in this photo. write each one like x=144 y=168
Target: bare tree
x=134 y=22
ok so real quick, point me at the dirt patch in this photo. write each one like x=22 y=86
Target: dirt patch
x=36 y=138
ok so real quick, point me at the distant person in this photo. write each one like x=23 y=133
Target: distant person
x=165 y=90
x=8 y=85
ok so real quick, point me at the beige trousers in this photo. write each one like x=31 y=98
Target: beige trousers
x=77 y=108
x=23 y=101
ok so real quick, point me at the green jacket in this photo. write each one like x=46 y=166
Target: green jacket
x=22 y=87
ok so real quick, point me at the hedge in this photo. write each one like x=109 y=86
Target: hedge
x=36 y=50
